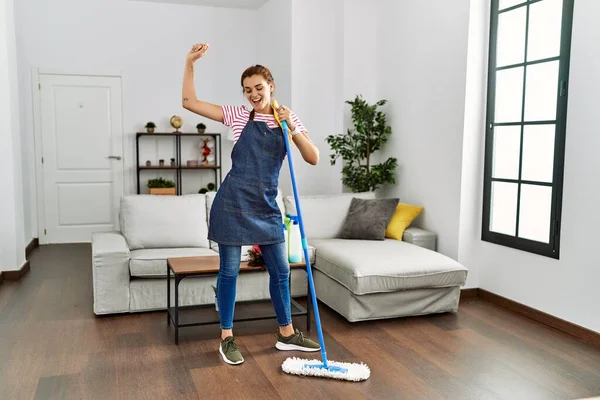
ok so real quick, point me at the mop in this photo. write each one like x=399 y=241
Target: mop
x=323 y=368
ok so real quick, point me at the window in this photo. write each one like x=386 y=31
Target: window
x=525 y=124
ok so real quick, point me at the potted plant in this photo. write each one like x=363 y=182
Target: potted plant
x=172 y=162
x=161 y=162
x=150 y=126
x=355 y=147
x=148 y=163
x=201 y=128
x=161 y=186
x=209 y=188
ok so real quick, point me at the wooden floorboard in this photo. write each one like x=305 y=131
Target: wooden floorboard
x=53 y=347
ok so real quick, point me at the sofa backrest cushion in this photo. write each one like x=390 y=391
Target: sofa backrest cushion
x=324 y=215
x=151 y=221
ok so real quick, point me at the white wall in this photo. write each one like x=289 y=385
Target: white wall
x=566 y=288
x=275 y=52
x=317 y=87
x=12 y=240
x=422 y=73
x=473 y=138
x=147 y=44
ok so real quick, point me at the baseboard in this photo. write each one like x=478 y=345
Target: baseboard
x=35 y=243
x=469 y=293
x=18 y=274
x=570 y=328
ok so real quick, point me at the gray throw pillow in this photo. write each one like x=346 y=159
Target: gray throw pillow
x=367 y=219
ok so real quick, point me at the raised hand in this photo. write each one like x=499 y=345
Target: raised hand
x=198 y=50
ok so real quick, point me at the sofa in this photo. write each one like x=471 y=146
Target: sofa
x=359 y=279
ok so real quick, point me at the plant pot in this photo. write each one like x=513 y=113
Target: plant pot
x=150 y=130
x=163 y=191
x=161 y=163
x=148 y=163
x=201 y=131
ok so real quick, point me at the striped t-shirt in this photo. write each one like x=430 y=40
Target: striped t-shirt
x=236 y=118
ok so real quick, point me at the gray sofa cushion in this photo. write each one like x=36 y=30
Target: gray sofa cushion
x=366 y=266
x=324 y=216
x=149 y=221
x=152 y=263
x=368 y=218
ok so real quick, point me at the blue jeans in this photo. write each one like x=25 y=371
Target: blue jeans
x=275 y=257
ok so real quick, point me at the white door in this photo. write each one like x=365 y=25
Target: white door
x=82 y=155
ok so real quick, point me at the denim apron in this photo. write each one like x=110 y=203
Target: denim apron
x=245 y=210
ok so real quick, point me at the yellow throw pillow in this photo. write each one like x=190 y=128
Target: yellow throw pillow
x=402 y=218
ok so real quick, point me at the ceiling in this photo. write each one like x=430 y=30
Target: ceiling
x=249 y=4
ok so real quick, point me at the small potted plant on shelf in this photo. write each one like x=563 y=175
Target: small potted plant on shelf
x=172 y=162
x=201 y=128
x=161 y=186
x=209 y=188
x=161 y=162
x=150 y=126
x=148 y=163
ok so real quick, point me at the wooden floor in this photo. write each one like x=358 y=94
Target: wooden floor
x=53 y=347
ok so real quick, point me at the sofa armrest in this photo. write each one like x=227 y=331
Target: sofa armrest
x=420 y=237
x=110 y=273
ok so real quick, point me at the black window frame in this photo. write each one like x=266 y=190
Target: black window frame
x=551 y=249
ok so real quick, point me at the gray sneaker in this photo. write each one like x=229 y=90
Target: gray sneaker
x=230 y=352
x=297 y=341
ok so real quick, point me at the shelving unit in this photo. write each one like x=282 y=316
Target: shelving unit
x=178 y=167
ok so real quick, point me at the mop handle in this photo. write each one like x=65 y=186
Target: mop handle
x=303 y=236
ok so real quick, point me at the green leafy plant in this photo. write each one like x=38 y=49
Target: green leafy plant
x=160 y=183
x=209 y=188
x=200 y=126
x=150 y=124
x=355 y=147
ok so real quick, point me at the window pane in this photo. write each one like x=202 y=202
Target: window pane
x=544 y=29
x=538 y=153
x=541 y=91
x=511 y=37
x=507 y=140
x=503 y=208
x=509 y=95
x=509 y=3
x=534 y=214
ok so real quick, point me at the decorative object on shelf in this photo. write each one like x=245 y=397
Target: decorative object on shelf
x=150 y=127
x=255 y=258
x=173 y=162
x=194 y=143
x=148 y=163
x=355 y=147
x=161 y=186
x=209 y=188
x=176 y=122
x=207 y=148
x=161 y=162
x=201 y=128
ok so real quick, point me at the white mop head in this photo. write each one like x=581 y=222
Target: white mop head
x=335 y=370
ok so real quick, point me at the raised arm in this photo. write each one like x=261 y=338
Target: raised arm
x=188 y=95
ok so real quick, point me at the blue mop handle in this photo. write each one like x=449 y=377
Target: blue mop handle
x=304 y=244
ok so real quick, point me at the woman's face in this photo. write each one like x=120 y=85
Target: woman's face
x=258 y=92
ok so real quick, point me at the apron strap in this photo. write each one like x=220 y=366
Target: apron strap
x=252 y=115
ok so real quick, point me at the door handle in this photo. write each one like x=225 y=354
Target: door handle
x=115 y=157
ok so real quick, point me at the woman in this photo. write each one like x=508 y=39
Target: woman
x=244 y=211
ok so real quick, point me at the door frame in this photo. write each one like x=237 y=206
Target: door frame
x=39 y=200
